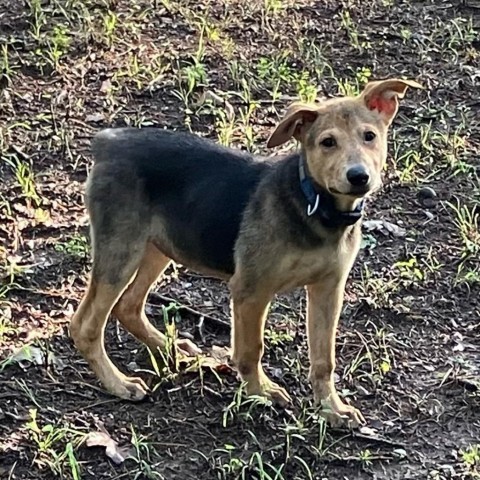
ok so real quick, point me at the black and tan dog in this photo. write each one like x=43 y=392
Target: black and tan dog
x=267 y=225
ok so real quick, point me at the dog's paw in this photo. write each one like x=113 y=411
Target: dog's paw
x=187 y=348
x=268 y=389
x=129 y=388
x=342 y=415
x=277 y=394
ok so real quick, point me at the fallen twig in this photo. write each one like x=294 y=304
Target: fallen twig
x=164 y=299
x=379 y=439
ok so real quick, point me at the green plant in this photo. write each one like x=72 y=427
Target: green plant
x=144 y=74
x=245 y=124
x=55 y=445
x=451 y=147
x=351 y=30
x=6 y=69
x=253 y=466
x=406 y=34
x=467 y=275
x=349 y=26
x=306 y=90
x=375 y=359
x=38 y=18
x=471 y=457
x=58 y=45
x=233 y=465
x=25 y=179
x=410 y=270
x=192 y=76
x=142 y=455
x=169 y=366
x=242 y=407
x=365 y=456
x=274 y=72
x=76 y=246
x=409 y=165
x=270 y=10
x=11 y=270
x=349 y=88
x=467 y=221
x=277 y=337
x=225 y=127
x=376 y=290
x=273 y=7
x=313 y=56
x=110 y=21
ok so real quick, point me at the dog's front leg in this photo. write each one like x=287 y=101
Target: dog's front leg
x=325 y=300
x=249 y=315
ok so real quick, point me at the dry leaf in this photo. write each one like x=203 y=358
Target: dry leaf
x=29 y=354
x=103 y=439
x=94 y=117
x=217 y=360
x=384 y=227
x=105 y=86
x=371 y=432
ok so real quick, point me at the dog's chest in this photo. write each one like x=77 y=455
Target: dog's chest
x=298 y=267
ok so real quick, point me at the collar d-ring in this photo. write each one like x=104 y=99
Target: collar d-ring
x=311 y=210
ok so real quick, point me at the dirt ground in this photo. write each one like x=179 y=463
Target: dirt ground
x=409 y=342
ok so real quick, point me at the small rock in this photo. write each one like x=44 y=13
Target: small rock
x=427 y=192
x=427 y=197
x=400 y=452
x=133 y=366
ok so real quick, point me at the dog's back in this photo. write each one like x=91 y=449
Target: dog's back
x=197 y=189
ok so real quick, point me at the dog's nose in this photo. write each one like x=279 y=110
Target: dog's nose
x=358 y=175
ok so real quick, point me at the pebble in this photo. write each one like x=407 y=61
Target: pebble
x=427 y=192
x=427 y=197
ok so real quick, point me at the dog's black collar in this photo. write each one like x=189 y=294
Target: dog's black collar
x=323 y=203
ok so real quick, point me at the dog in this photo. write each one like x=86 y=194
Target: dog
x=266 y=225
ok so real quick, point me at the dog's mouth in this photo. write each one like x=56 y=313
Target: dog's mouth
x=356 y=192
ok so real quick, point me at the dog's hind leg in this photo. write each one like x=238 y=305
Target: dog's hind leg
x=130 y=309
x=119 y=237
x=88 y=325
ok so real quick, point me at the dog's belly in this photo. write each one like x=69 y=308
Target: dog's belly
x=207 y=248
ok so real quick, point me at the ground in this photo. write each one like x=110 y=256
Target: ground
x=409 y=339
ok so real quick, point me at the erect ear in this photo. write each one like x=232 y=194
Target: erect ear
x=383 y=96
x=297 y=119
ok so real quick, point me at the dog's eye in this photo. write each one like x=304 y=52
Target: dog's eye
x=328 y=142
x=369 y=136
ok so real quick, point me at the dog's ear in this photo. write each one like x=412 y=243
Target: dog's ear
x=382 y=96
x=298 y=117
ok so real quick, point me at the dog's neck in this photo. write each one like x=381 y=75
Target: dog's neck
x=323 y=204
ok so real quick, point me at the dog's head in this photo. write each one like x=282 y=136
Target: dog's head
x=344 y=140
